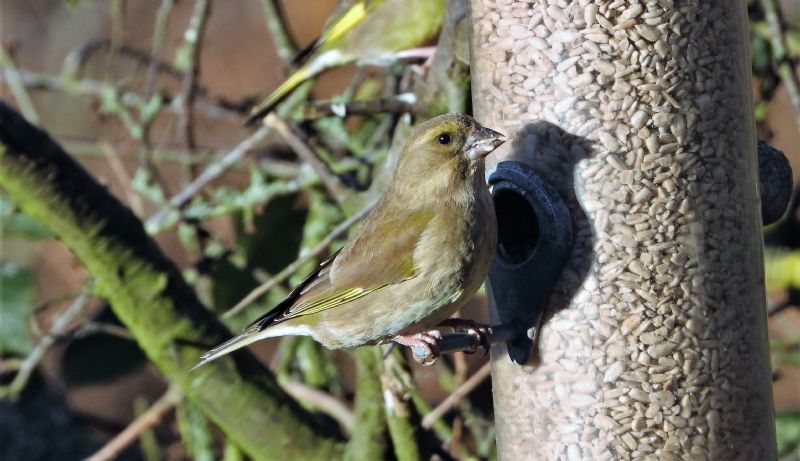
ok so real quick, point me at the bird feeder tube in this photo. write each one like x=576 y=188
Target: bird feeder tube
x=654 y=344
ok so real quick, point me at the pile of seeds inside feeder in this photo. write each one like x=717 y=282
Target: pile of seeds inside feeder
x=659 y=355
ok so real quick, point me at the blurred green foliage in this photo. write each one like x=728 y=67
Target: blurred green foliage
x=17 y=292
x=787 y=428
x=18 y=224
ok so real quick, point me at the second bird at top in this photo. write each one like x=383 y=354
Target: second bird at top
x=364 y=31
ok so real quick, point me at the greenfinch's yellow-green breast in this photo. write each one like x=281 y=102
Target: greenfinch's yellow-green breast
x=419 y=255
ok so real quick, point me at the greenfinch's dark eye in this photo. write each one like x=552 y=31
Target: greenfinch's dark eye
x=444 y=139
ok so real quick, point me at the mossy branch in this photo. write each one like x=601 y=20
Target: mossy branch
x=148 y=294
x=369 y=434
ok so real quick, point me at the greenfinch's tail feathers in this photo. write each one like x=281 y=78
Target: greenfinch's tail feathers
x=244 y=339
x=249 y=336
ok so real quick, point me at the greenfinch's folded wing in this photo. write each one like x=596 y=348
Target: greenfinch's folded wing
x=379 y=255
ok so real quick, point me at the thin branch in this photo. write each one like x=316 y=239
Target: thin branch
x=219 y=110
x=455 y=398
x=281 y=169
x=54 y=299
x=322 y=401
x=58 y=328
x=145 y=421
x=442 y=430
x=77 y=58
x=412 y=54
x=105 y=328
x=191 y=52
x=307 y=154
x=145 y=147
x=284 y=44
x=72 y=69
x=112 y=156
x=402 y=103
x=296 y=264
x=159 y=31
x=192 y=47
x=15 y=83
x=117 y=13
x=212 y=172
x=9 y=365
x=785 y=68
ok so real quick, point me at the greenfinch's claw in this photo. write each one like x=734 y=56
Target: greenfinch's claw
x=424 y=346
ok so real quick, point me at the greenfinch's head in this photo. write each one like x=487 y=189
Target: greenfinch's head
x=453 y=143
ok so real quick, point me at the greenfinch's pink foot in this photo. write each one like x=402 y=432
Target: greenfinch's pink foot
x=424 y=346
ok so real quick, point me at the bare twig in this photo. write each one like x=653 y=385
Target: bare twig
x=193 y=39
x=58 y=328
x=123 y=177
x=159 y=31
x=191 y=52
x=307 y=154
x=77 y=58
x=291 y=268
x=15 y=83
x=105 y=328
x=117 y=13
x=411 y=54
x=41 y=81
x=9 y=365
x=146 y=147
x=212 y=172
x=281 y=169
x=785 y=68
x=453 y=399
x=322 y=401
x=283 y=43
x=398 y=104
x=146 y=420
x=54 y=299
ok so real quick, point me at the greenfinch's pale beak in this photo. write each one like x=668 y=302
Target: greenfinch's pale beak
x=483 y=141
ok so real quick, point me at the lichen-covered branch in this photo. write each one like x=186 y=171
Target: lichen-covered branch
x=369 y=433
x=148 y=294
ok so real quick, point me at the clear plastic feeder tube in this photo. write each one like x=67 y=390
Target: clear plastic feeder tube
x=654 y=345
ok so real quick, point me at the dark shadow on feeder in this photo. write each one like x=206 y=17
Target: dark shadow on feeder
x=545 y=241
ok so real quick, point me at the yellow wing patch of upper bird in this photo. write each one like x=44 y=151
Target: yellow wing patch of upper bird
x=350 y=18
x=337 y=29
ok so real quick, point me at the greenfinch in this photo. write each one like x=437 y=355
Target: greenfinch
x=417 y=257
x=365 y=31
